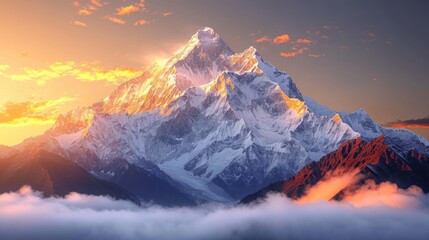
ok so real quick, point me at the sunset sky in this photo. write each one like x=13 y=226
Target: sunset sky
x=56 y=55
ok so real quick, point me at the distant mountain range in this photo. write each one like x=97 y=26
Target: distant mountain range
x=212 y=125
x=370 y=160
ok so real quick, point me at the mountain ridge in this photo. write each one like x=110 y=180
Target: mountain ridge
x=373 y=160
x=218 y=123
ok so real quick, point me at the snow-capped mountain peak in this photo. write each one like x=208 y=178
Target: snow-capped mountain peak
x=220 y=124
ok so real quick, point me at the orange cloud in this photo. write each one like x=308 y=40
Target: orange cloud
x=87 y=72
x=79 y=23
x=385 y=194
x=97 y=3
x=294 y=53
x=411 y=123
x=116 y=20
x=303 y=41
x=31 y=112
x=281 y=39
x=167 y=14
x=90 y=8
x=84 y=12
x=263 y=39
x=327 y=189
x=141 y=22
x=126 y=10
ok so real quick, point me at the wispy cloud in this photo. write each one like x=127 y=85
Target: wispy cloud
x=315 y=55
x=263 y=39
x=76 y=3
x=116 y=20
x=85 y=71
x=26 y=215
x=141 y=22
x=89 y=8
x=119 y=12
x=281 y=39
x=411 y=123
x=304 y=41
x=79 y=23
x=295 y=52
x=31 y=112
x=370 y=37
x=98 y=3
x=141 y=3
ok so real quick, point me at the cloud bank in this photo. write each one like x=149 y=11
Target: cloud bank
x=25 y=215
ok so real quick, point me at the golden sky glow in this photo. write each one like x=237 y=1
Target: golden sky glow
x=14 y=114
x=81 y=50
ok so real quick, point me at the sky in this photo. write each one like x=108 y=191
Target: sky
x=59 y=55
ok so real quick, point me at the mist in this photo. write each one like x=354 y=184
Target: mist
x=364 y=214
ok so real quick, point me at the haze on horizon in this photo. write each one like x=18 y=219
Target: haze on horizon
x=59 y=55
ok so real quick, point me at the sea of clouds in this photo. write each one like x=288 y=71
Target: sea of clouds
x=371 y=212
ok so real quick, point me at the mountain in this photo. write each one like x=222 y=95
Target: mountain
x=401 y=140
x=214 y=124
x=370 y=160
x=53 y=175
x=145 y=184
x=6 y=152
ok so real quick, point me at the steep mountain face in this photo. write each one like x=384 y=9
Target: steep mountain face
x=216 y=124
x=53 y=175
x=371 y=160
x=221 y=124
x=146 y=185
x=195 y=64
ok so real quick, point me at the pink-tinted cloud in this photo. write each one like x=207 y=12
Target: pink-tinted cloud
x=166 y=14
x=97 y=3
x=76 y=3
x=304 y=41
x=79 y=23
x=116 y=20
x=141 y=4
x=141 y=22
